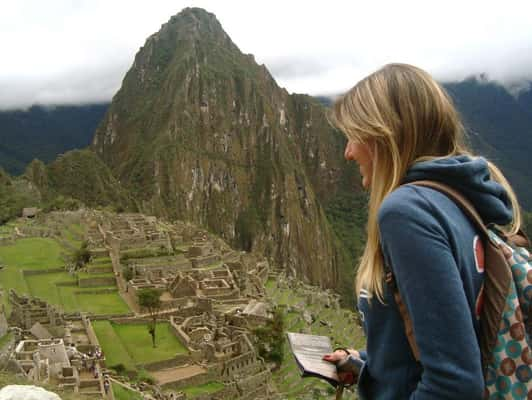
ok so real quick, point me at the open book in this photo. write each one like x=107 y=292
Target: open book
x=308 y=351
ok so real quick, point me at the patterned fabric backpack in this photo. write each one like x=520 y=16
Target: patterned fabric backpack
x=506 y=314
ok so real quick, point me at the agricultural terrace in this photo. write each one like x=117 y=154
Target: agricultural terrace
x=201 y=390
x=340 y=321
x=130 y=344
x=36 y=266
x=121 y=393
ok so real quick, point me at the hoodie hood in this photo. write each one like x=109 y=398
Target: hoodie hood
x=471 y=177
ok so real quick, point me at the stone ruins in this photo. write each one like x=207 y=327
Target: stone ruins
x=211 y=295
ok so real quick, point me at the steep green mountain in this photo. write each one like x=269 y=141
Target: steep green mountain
x=500 y=127
x=78 y=175
x=76 y=178
x=44 y=133
x=199 y=131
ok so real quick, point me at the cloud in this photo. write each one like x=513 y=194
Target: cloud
x=64 y=52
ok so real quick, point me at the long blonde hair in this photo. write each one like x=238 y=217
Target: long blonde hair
x=406 y=117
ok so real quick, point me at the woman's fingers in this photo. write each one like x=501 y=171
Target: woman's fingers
x=335 y=357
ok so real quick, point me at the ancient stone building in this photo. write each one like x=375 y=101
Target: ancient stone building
x=27 y=311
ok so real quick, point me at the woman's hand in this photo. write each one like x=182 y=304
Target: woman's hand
x=339 y=355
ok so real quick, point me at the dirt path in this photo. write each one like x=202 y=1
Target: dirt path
x=168 y=375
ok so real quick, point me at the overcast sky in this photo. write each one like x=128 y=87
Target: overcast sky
x=78 y=51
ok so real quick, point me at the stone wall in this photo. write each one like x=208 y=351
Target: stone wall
x=93 y=339
x=193 y=380
x=178 y=360
x=27 y=272
x=94 y=282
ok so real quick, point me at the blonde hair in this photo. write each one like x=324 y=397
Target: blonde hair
x=406 y=117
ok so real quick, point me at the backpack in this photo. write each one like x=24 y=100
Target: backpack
x=505 y=317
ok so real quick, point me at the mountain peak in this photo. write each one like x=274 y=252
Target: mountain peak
x=193 y=23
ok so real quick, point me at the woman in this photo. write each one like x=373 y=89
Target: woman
x=402 y=127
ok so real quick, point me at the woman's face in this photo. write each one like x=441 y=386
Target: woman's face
x=361 y=153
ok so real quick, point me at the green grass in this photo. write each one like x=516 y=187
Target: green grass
x=121 y=393
x=114 y=350
x=87 y=275
x=102 y=303
x=4 y=339
x=44 y=286
x=131 y=344
x=34 y=253
x=73 y=234
x=101 y=260
x=26 y=254
x=206 y=388
x=71 y=298
x=99 y=265
x=138 y=342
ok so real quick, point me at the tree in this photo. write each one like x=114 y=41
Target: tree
x=81 y=256
x=269 y=338
x=151 y=300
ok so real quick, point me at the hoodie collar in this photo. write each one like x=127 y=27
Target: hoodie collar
x=471 y=177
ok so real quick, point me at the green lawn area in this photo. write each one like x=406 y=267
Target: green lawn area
x=206 y=388
x=138 y=342
x=112 y=346
x=101 y=303
x=73 y=234
x=33 y=253
x=44 y=253
x=44 y=286
x=26 y=254
x=131 y=344
x=121 y=393
x=71 y=298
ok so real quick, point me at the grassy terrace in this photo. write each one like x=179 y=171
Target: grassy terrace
x=206 y=388
x=121 y=393
x=346 y=334
x=57 y=288
x=27 y=254
x=73 y=234
x=130 y=345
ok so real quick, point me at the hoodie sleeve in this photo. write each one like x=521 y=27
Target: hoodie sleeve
x=417 y=249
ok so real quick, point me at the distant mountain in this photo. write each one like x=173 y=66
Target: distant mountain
x=499 y=127
x=44 y=133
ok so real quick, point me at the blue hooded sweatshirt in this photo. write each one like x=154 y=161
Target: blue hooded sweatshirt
x=438 y=262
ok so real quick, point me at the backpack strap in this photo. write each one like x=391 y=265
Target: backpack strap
x=497 y=279
x=409 y=329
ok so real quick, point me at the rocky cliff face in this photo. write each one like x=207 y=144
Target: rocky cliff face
x=199 y=131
